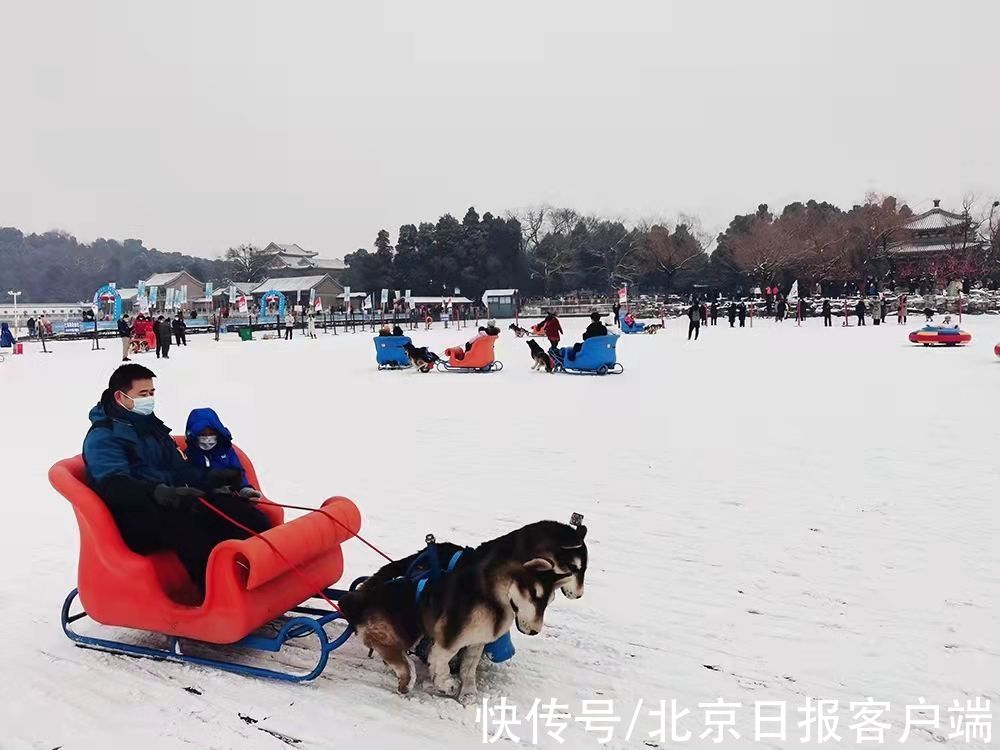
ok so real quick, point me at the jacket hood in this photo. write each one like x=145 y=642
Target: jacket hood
x=199 y=419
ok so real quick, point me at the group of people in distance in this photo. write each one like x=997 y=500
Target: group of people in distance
x=134 y=335
x=152 y=488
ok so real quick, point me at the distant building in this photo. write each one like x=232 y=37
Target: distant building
x=221 y=296
x=933 y=233
x=290 y=257
x=501 y=303
x=297 y=289
x=180 y=282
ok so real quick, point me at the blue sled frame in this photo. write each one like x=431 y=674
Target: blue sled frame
x=494 y=366
x=615 y=369
x=307 y=621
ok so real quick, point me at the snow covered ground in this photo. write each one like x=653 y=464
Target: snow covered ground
x=775 y=514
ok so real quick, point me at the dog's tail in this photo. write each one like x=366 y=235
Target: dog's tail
x=352 y=606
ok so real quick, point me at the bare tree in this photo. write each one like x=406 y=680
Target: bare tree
x=533 y=221
x=249 y=263
x=552 y=257
x=669 y=253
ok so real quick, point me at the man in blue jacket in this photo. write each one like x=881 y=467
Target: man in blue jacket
x=149 y=486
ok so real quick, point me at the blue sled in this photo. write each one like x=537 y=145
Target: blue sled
x=389 y=352
x=596 y=357
x=307 y=621
x=636 y=326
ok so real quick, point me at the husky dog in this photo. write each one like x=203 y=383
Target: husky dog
x=507 y=579
x=421 y=357
x=563 y=545
x=460 y=609
x=519 y=331
x=542 y=358
x=653 y=328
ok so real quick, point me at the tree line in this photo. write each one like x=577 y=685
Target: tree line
x=556 y=251
x=56 y=267
x=552 y=251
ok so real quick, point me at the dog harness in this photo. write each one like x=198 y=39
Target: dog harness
x=499 y=650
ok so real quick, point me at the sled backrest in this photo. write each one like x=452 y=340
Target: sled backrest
x=103 y=552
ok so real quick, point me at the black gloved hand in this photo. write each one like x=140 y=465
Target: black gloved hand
x=174 y=498
x=249 y=493
x=216 y=479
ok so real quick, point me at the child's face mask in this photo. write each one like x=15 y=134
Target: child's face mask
x=207 y=442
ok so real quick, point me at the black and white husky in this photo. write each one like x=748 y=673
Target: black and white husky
x=501 y=583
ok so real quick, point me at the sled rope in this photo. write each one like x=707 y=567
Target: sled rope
x=336 y=520
x=269 y=543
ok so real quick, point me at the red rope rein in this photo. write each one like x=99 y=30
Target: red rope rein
x=336 y=520
x=312 y=586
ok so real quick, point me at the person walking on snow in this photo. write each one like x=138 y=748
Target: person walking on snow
x=694 y=320
x=779 y=314
x=553 y=330
x=742 y=312
x=289 y=324
x=165 y=328
x=827 y=314
x=901 y=310
x=713 y=312
x=180 y=330
x=732 y=314
x=859 y=310
x=125 y=334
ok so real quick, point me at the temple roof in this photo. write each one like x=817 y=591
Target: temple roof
x=936 y=218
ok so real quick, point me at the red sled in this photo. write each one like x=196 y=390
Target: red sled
x=248 y=584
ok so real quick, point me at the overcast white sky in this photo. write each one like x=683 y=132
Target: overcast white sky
x=198 y=125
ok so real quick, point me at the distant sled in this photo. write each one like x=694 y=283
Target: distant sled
x=480 y=357
x=249 y=586
x=931 y=335
x=390 y=353
x=597 y=356
x=636 y=326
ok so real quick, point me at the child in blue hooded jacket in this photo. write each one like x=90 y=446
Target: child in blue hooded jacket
x=210 y=445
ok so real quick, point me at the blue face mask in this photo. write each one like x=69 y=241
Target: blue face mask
x=142 y=404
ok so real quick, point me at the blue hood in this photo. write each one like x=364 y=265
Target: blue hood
x=198 y=420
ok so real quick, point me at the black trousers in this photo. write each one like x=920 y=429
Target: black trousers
x=288 y=332
x=181 y=338
x=827 y=320
x=190 y=532
x=743 y=322
x=715 y=320
x=861 y=320
x=693 y=327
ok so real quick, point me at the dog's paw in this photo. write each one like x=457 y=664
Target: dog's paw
x=467 y=698
x=447 y=686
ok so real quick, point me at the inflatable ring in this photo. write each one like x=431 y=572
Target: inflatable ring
x=996 y=350
x=943 y=335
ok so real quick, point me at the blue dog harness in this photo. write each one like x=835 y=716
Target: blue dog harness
x=499 y=650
